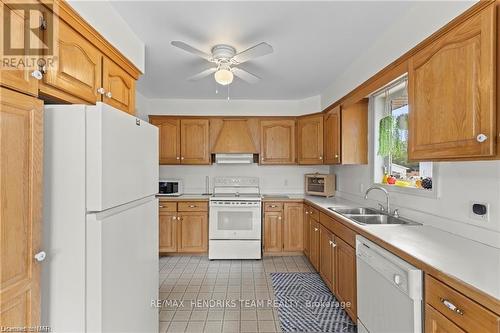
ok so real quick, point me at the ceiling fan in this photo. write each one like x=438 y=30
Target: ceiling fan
x=226 y=61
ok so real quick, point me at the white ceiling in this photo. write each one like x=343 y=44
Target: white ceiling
x=313 y=42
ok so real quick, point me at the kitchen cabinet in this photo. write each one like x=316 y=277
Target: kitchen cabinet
x=354 y=133
x=435 y=322
x=293 y=226
x=273 y=231
x=332 y=136
x=305 y=229
x=277 y=141
x=17 y=79
x=170 y=139
x=119 y=87
x=346 y=276
x=314 y=244
x=21 y=164
x=183 y=226
x=195 y=141
x=310 y=139
x=451 y=90
x=75 y=75
x=193 y=232
x=327 y=255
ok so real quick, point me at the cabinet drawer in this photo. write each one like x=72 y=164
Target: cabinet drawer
x=312 y=212
x=192 y=206
x=340 y=230
x=461 y=310
x=273 y=206
x=168 y=206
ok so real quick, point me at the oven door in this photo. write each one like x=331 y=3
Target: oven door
x=235 y=221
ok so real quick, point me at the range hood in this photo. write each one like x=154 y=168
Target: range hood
x=233 y=158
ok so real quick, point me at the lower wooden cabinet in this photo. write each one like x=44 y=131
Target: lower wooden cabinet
x=346 y=276
x=183 y=227
x=327 y=255
x=273 y=232
x=306 y=227
x=314 y=243
x=283 y=227
x=435 y=322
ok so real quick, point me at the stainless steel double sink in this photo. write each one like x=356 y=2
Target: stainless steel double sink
x=369 y=216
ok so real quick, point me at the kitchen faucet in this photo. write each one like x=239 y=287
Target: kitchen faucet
x=387 y=204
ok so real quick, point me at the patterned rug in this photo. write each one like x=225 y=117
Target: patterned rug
x=305 y=304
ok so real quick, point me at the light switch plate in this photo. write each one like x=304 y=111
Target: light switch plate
x=485 y=217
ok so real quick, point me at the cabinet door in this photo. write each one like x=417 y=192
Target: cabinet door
x=21 y=157
x=451 y=93
x=332 y=136
x=168 y=231
x=170 y=139
x=327 y=256
x=119 y=87
x=19 y=79
x=307 y=222
x=293 y=226
x=435 y=322
x=273 y=232
x=277 y=141
x=310 y=140
x=192 y=234
x=194 y=141
x=346 y=275
x=354 y=124
x=314 y=244
x=75 y=75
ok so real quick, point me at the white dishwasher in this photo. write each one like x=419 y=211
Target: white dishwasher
x=389 y=291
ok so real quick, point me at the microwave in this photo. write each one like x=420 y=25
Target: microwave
x=170 y=187
x=320 y=184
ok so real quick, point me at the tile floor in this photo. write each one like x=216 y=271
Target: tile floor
x=199 y=295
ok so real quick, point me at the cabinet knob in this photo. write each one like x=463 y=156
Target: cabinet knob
x=262 y=159
x=101 y=90
x=481 y=137
x=179 y=218
x=40 y=256
x=316 y=229
x=333 y=244
x=174 y=218
x=321 y=157
x=109 y=94
x=336 y=156
x=182 y=157
x=192 y=206
x=161 y=206
x=177 y=158
x=37 y=74
x=307 y=213
x=279 y=217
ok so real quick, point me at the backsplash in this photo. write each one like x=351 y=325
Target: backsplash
x=273 y=179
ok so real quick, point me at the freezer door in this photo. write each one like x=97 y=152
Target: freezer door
x=122 y=268
x=122 y=158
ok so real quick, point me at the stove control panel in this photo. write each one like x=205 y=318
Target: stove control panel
x=229 y=203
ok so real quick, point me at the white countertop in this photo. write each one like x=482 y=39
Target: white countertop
x=472 y=262
x=186 y=196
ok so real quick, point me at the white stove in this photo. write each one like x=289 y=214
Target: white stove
x=235 y=230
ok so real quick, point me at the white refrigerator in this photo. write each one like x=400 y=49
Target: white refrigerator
x=100 y=228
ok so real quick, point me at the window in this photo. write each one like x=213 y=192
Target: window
x=392 y=167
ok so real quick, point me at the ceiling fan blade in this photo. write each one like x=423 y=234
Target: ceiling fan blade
x=245 y=76
x=203 y=74
x=190 y=49
x=258 y=50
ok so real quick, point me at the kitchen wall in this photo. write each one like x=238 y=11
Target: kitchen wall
x=273 y=179
x=105 y=19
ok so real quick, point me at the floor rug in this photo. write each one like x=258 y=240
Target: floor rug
x=305 y=304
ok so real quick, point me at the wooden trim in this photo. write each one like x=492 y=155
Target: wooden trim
x=64 y=11
x=399 y=66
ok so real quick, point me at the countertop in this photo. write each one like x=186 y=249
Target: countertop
x=184 y=197
x=466 y=260
x=474 y=263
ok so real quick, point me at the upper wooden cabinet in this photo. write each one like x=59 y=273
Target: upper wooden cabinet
x=277 y=141
x=332 y=135
x=354 y=129
x=195 y=141
x=452 y=93
x=17 y=79
x=75 y=75
x=310 y=139
x=170 y=139
x=119 y=87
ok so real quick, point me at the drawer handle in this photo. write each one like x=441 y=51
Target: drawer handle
x=451 y=306
x=192 y=206
x=162 y=207
x=274 y=206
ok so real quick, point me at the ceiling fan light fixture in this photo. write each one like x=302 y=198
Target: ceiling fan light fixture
x=224 y=77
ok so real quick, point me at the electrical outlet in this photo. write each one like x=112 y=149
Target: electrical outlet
x=479 y=211
x=361 y=188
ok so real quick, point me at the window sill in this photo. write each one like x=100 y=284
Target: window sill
x=411 y=190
